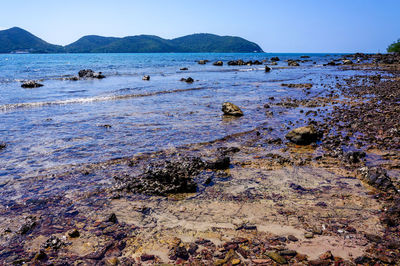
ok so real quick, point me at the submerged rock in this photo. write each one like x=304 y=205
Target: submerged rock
x=31 y=84
x=231 y=109
x=304 y=135
x=88 y=73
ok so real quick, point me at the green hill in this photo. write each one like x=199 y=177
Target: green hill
x=19 y=40
x=203 y=43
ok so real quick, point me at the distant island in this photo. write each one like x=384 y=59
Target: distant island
x=17 y=40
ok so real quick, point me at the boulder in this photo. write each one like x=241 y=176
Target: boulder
x=88 y=73
x=267 y=69
x=31 y=84
x=275 y=58
x=146 y=77
x=293 y=63
x=231 y=109
x=304 y=135
x=377 y=177
x=218 y=63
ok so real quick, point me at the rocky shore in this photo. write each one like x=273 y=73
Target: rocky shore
x=321 y=191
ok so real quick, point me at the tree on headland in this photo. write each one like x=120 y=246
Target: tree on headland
x=394 y=47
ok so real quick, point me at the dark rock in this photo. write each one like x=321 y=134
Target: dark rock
x=292 y=238
x=227 y=150
x=112 y=218
x=40 y=256
x=304 y=135
x=146 y=257
x=192 y=248
x=304 y=56
x=218 y=63
x=74 y=233
x=287 y=252
x=362 y=260
x=293 y=63
x=332 y=63
x=300 y=85
x=275 y=58
x=297 y=187
x=182 y=253
x=165 y=177
x=187 y=80
x=321 y=204
x=3 y=145
x=146 y=77
x=267 y=69
x=231 y=109
x=203 y=62
x=88 y=73
x=184 y=69
x=31 y=84
x=355 y=156
x=373 y=238
x=276 y=257
x=220 y=164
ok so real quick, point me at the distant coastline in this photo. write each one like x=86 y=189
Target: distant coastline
x=19 y=41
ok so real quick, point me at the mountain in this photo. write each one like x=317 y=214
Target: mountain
x=19 y=40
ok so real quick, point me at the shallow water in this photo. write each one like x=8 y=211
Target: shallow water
x=63 y=122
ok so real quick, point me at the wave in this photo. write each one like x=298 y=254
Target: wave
x=14 y=106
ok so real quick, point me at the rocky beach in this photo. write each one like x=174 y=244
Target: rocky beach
x=315 y=182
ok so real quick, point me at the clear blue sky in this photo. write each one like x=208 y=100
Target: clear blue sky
x=276 y=25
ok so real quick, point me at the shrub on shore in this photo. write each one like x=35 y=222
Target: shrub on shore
x=394 y=47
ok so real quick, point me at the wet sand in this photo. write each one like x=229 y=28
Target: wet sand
x=276 y=203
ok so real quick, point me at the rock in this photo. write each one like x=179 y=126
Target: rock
x=235 y=261
x=275 y=58
x=267 y=69
x=41 y=255
x=273 y=63
x=184 y=69
x=293 y=63
x=3 y=145
x=304 y=56
x=304 y=135
x=74 y=233
x=203 y=62
x=231 y=109
x=377 y=177
x=288 y=252
x=146 y=77
x=31 y=84
x=27 y=226
x=292 y=238
x=53 y=242
x=347 y=62
x=187 y=80
x=355 y=156
x=164 y=177
x=276 y=257
x=308 y=235
x=88 y=73
x=326 y=256
x=146 y=257
x=332 y=63
x=220 y=164
x=218 y=63
x=73 y=78
x=112 y=218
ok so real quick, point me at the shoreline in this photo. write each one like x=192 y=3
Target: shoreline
x=276 y=203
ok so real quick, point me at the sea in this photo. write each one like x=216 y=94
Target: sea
x=68 y=122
